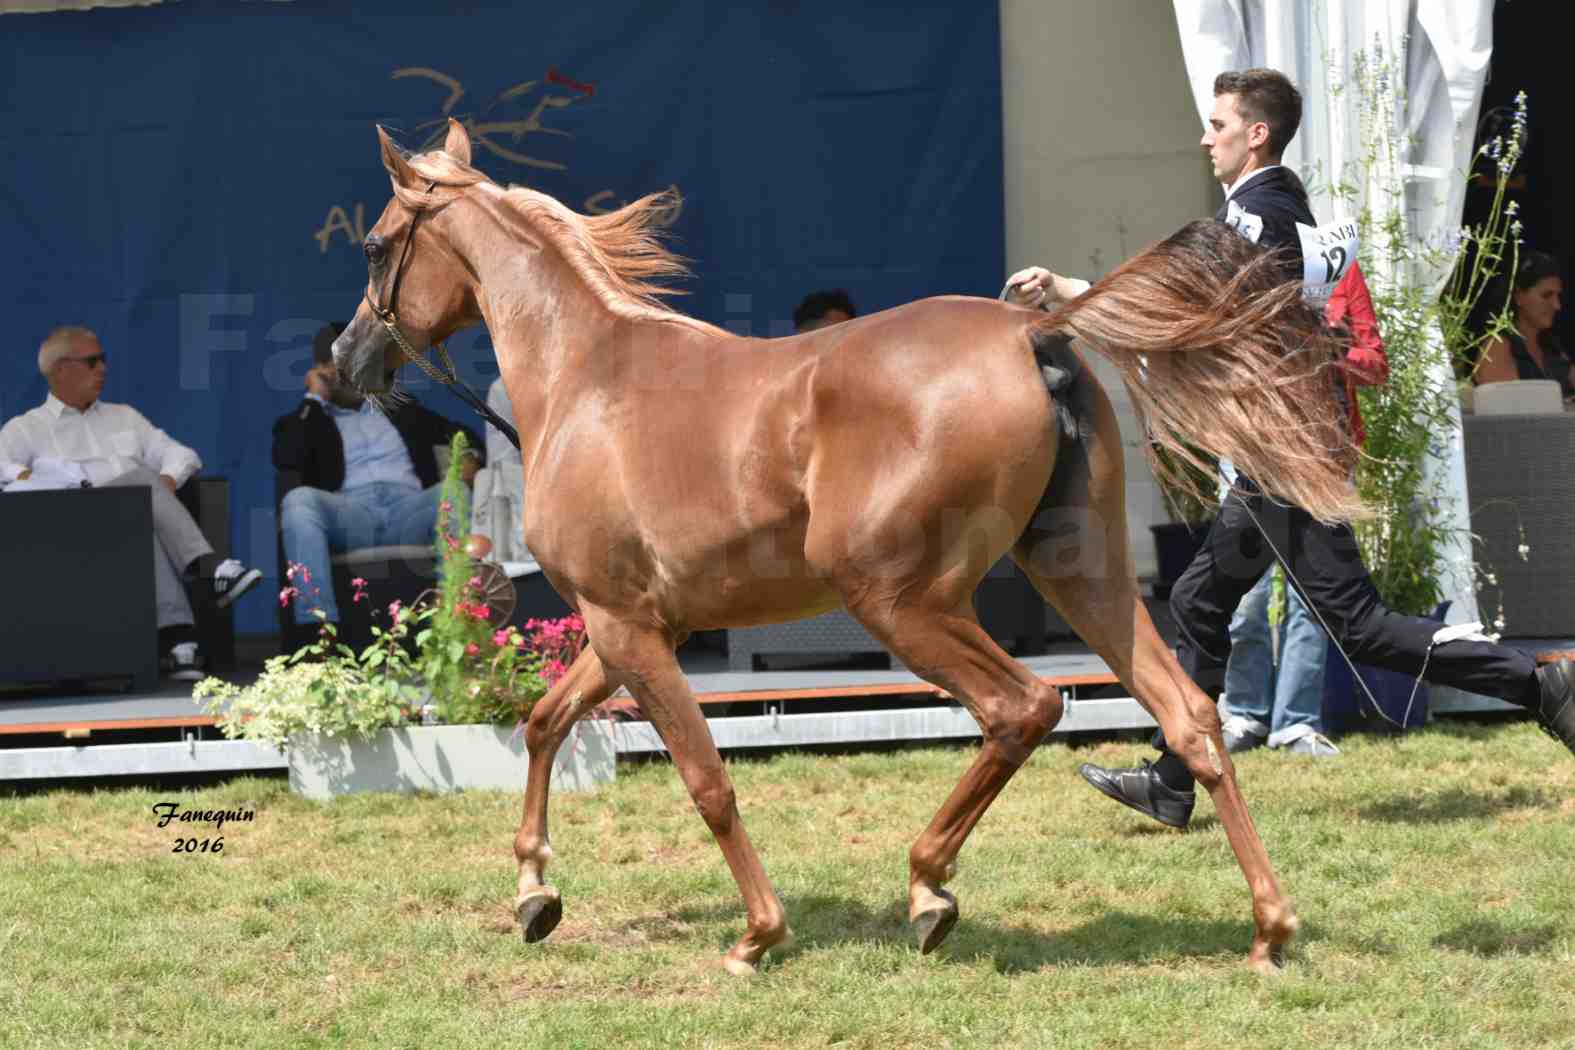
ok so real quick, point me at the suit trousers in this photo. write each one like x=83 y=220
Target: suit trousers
x=1325 y=565
x=177 y=542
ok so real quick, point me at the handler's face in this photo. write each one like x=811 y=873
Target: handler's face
x=1227 y=139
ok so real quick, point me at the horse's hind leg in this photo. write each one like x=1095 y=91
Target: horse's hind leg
x=538 y=905
x=1014 y=710
x=1076 y=556
x=642 y=658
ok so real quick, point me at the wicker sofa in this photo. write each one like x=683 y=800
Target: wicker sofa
x=1521 y=474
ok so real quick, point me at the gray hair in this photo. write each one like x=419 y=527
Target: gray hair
x=59 y=341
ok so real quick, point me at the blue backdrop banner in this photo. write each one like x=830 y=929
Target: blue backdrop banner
x=193 y=180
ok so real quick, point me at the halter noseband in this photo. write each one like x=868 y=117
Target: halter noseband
x=447 y=374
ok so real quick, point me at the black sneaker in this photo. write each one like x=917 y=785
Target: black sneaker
x=1556 y=713
x=232 y=579
x=183 y=663
x=1142 y=789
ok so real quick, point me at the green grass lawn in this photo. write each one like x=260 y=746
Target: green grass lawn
x=1433 y=876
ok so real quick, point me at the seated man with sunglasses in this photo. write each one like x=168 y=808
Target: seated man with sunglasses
x=75 y=438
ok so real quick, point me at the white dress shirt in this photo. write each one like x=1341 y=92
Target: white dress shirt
x=106 y=441
x=1242 y=180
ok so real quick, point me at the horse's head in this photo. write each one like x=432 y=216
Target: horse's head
x=417 y=292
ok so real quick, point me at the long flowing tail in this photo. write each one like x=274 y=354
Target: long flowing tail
x=1221 y=356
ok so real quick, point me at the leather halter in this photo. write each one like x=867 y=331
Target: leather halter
x=447 y=374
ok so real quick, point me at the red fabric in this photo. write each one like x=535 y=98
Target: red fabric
x=1365 y=364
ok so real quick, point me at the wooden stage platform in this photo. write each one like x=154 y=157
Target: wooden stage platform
x=64 y=735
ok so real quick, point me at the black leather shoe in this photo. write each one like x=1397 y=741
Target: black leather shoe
x=1142 y=789
x=1556 y=713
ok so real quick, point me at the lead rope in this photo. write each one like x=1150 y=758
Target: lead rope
x=449 y=377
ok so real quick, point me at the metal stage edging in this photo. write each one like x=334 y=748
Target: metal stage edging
x=857 y=727
x=124 y=760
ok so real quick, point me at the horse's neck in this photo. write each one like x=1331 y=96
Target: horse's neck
x=549 y=331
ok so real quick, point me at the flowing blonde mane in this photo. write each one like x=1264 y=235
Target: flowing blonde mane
x=619 y=255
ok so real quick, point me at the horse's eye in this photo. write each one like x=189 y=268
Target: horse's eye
x=374 y=252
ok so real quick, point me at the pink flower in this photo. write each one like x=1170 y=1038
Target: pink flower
x=358 y=583
x=393 y=609
x=472 y=649
x=445 y=506
x=359 y=596
x=475 y=583
x=481 y=612
x=285 y=595
x=500 y=637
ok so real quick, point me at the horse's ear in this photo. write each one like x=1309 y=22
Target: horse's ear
x=457 y=145
x=394 y=160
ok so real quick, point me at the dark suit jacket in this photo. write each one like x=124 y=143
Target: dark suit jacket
x=307 y=441
x=1277 y=198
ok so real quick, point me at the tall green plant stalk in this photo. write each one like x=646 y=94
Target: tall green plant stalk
x=1427 y=333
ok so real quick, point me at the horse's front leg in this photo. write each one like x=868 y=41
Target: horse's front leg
x=538 y=906
x=641 y=657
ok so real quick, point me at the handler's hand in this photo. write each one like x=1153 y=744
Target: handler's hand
x=1029 y=287
x=168 y=481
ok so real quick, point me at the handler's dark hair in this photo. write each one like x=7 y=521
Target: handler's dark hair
x=1265 y=95
x=817 y=304
x=323 y=342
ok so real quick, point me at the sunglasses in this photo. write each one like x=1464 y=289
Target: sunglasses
x=92 y=360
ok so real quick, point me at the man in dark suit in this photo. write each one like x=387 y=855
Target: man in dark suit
x=368 y=478
x=1256 y=113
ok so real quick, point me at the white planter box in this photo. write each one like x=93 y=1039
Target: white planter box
x=443 y=759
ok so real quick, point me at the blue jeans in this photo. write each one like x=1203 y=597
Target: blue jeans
x=316 y=522
x=1284 y=703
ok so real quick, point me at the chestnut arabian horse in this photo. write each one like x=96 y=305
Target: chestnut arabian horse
x=686 y=478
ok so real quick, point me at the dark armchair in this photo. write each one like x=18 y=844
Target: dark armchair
x=79 y=565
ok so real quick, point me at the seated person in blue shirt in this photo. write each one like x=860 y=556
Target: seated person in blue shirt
x=367 y=479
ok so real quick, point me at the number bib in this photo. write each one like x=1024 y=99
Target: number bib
x=1327 y=252
x=1243 y=221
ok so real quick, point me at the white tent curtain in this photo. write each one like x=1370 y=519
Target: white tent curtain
x=1444 y=46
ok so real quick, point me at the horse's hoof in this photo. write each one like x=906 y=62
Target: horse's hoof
x=739 y=967
x=1267 y=958
x=932 y=926
x=1275 y=930
x=539 y=916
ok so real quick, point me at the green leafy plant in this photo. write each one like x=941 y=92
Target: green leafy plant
x=1427 y=333
x=443 y=650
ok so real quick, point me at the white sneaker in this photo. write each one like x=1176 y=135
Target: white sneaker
x=183 y=663
x=1313 y=745
x=232 y=579
x=1242 y=734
